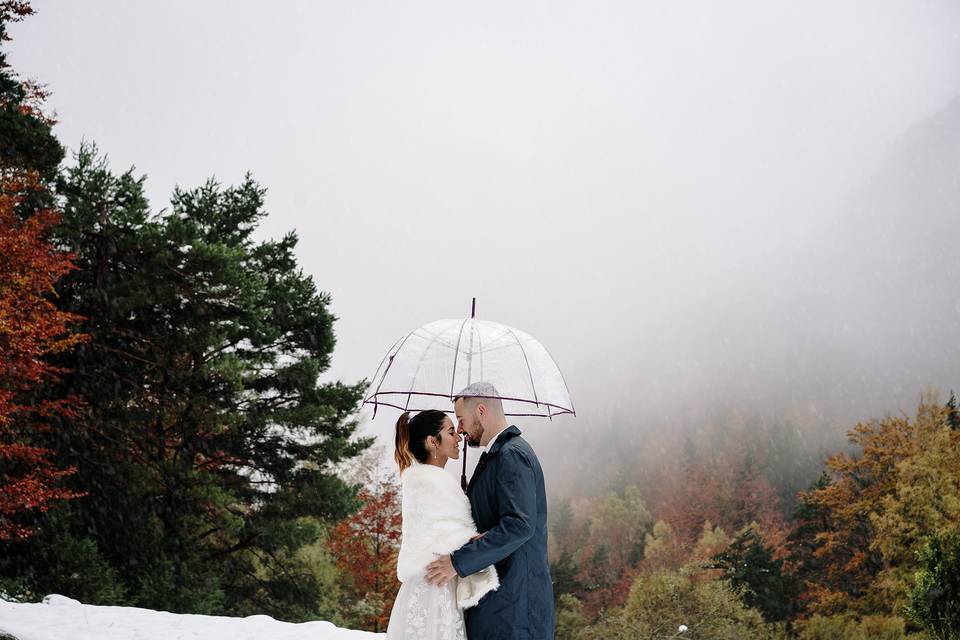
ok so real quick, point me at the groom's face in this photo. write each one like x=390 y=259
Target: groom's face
x=468 y=422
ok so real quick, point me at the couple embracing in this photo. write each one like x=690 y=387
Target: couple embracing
x=471 y=566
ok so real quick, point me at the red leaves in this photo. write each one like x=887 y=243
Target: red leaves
x=365 y=547
x=32 y=490
x=14 y=11
x=31 y=328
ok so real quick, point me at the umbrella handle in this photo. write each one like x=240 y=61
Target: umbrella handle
x=463 y=476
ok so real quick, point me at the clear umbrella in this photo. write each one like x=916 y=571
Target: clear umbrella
x=426 y=369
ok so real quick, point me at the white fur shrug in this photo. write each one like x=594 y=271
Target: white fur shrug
x=437 y=521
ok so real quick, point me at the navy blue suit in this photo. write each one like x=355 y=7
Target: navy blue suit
x=509 y=503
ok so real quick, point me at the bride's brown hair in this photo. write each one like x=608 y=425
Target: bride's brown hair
x=412 y=433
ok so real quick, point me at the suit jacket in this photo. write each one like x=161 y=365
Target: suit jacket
x=509 y=503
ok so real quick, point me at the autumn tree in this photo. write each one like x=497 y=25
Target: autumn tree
x=626 y=520
x=31 y=329
x=858 y=484
x=924 y=501
x=713 y=541
x=722 y=475
x=663 y=549
x=570 y=619
x=601 y=568
x=365 y=547
x=674 y=604
x=848 y=626
x=861 y=526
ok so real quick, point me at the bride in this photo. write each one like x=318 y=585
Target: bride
x=436 y=521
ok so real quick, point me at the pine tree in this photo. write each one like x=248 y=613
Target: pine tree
x=803 y=542
x=563 y=572
x=26 y=139
x=953 y=415
x=935 y=598
x=207 y=438
x=751 y=567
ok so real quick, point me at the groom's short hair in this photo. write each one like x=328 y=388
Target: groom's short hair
x=478 y=392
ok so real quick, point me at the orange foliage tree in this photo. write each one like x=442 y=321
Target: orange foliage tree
x=31 y=327
x=860 y=526
x=729 y=491
x=365 y=547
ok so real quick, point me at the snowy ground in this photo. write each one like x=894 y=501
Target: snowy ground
x=60 y=618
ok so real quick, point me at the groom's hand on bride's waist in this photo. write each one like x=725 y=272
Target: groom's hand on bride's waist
x=440 y=571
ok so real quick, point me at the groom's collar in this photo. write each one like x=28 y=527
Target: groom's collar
x=500 y=438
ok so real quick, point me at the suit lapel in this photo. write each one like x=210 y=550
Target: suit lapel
x=481 y=463
x=508 y=433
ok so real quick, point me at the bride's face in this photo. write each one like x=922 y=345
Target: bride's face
x=449 y=441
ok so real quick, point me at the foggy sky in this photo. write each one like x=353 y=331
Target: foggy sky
x=666 y=194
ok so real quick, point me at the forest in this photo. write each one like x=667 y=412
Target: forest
x=165 y=443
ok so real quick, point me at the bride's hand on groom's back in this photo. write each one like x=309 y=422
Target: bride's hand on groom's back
x=478 y=536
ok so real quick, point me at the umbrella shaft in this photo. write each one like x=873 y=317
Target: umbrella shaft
x=463 y=476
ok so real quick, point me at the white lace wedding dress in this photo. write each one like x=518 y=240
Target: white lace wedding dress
x=425 y=612
x=436 y=522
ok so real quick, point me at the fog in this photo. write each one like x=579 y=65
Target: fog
x=695 y=206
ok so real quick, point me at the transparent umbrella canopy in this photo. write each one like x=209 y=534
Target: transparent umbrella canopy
x=428 y=367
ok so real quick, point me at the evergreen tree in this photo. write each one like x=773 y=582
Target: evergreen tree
x=751 y=568
x=26 y=139
x=564 y=571
x=803 y=542
x=207 y=443
x=953 y=415
x=560 y=522
x=935 y=598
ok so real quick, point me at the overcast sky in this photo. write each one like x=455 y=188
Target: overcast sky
x=645 y=186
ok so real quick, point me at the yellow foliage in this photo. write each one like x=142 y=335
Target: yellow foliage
x=882 y=504
x=662 y=548
x=712 y=541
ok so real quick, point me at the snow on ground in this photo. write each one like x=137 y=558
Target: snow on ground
x=60 y=618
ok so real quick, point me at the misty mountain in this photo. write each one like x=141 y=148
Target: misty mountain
x=855 y=323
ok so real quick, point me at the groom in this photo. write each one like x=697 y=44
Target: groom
x=509 y=504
